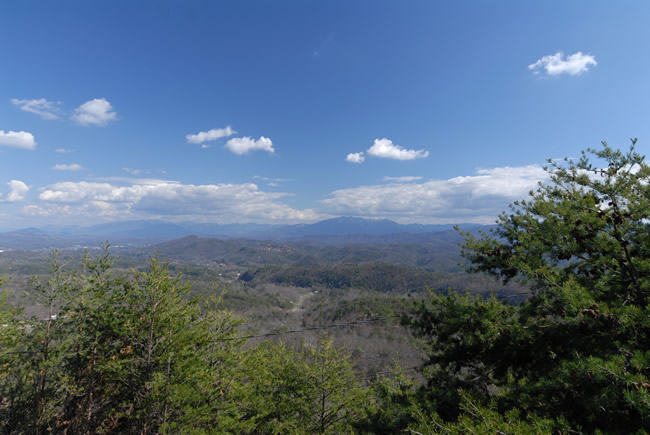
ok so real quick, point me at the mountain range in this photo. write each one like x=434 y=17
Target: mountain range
x=343 y=230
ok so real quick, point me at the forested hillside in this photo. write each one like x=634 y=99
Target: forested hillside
x=433 y=251
x=380 y=277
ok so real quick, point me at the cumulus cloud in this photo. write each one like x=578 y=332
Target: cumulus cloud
x=476 y=198
x=355 y=158
x=75 y=192
x=574 y=64
x=43 y=108
x=17 y=191
x=244 y=145
x=210 y=135
x=386 y=149
x=402 y=179
x=94 y=112
x=70 y=167
x=17 y=139
x=224 y=203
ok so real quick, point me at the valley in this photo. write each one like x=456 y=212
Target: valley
x=353 y=287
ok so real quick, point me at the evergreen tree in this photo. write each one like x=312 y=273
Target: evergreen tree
x=577 y=351
x=16 y=387
x=128 y=353
x=312 y=390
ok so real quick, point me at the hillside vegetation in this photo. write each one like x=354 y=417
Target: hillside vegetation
x=432 y=251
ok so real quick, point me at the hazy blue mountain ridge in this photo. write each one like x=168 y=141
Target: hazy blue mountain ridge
x=344 y=230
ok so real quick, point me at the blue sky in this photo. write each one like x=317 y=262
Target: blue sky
x=296 y=111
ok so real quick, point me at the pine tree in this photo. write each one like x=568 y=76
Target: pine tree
x=577 y=350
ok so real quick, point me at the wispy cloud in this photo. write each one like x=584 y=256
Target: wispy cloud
x=134 y=171
x=402 y=179
x=475 y=198
x=17 y=191
x=17 y=139
x=41 y=107
x=355 y=157
x=244 y=145
x=70 y=167
x=210 y=135
x=275 y=180
x=574 y=64
x=132 y=180
x=62 y=150
x=94 y=112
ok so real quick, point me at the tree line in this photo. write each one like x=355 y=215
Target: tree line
x=385 y=278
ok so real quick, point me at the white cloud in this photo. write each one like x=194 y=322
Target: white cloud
x=70 y=167
x=355 y=158
x=36 y=210
x=17 y=139
x=75 y=192
x=402 y=179
x=575 y=64
x=43 y=108
x=226 y=203
x=211 y=135
x=243 y=145
x=205 y=146
x=17 y=191
x=131 y=180
x=476 y=198
x=62 y=150
x=94 y=112
x=385 y=148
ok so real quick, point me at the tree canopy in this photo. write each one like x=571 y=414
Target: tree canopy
x=133 y=353
x=576 y=351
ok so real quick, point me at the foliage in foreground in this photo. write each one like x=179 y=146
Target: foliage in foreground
x=132 y=354
x=577 y=351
